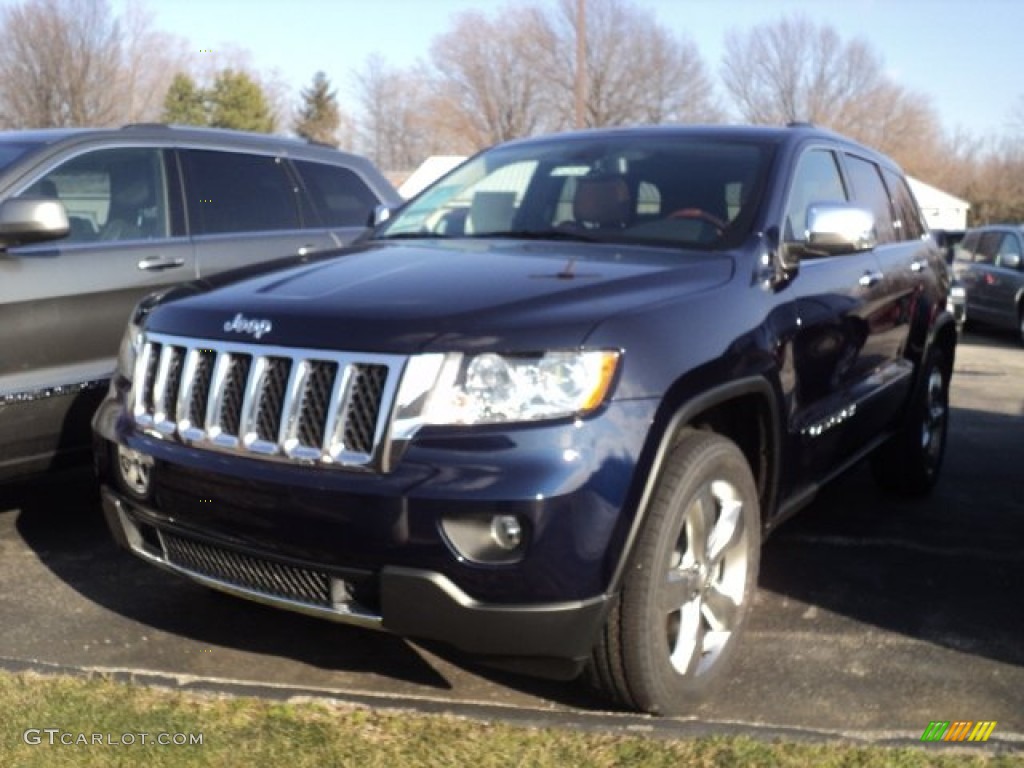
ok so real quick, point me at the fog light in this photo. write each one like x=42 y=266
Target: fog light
x=484 y=538
x=134 y=468
x=507 y=532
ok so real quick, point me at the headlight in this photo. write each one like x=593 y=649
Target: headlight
x=492 y=388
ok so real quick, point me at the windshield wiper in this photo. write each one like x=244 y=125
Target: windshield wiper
x=412 y=236
x=579 y=235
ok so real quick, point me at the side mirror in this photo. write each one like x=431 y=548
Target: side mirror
x=381 y=213
x=25 y=220
x=837 y=228
x=1010 y=260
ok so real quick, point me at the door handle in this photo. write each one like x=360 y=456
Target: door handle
x=159 y=263
x=918 y=265
x=869 y=279
x=307 y=248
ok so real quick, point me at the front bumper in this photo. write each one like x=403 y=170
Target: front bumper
x=413 y=603
x=371 y=549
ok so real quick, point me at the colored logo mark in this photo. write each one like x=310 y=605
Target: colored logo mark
x=958 y=730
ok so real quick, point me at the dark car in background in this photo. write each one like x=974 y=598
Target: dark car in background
x=548 y=412
x=989 y=264
x=91 y=220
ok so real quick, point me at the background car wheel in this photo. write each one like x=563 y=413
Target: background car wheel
x=909 y=463
x=690 y=583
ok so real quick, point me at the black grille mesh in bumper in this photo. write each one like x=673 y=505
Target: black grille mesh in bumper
x=275 y=579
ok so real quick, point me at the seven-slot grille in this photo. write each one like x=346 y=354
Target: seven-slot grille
x=298 y=404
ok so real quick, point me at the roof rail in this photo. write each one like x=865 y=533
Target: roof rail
x=129 y=126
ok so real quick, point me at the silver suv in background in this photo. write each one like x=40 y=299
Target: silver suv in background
x=93 y=219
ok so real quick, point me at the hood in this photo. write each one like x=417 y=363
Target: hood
x=405 y=297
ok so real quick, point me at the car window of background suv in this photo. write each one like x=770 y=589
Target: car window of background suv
x=340 y=197
x=236 y=192
x=110 y=195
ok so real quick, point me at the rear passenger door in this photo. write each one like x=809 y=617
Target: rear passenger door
x=245 y=209
x=903 y=256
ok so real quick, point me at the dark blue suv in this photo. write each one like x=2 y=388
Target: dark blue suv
x=548 y=411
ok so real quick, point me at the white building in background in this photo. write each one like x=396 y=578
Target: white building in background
x=941 y=210
x=432 y=169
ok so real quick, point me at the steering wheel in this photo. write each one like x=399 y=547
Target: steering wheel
x=699 y=215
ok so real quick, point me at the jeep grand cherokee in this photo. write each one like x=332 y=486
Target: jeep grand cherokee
x=548 y=412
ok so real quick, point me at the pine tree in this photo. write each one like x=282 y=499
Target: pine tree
x=185 y=103
x=237 y=101
x=319 y=118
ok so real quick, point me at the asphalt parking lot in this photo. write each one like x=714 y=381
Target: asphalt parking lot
x=873 y=617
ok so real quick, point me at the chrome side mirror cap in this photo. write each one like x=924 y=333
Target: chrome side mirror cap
x=25 y=220
x=837 y=228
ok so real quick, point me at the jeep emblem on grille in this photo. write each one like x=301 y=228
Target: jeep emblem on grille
x=253 y=326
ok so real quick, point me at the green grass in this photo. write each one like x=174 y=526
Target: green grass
x=240 y=731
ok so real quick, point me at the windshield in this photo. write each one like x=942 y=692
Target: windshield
x=12 y=150
x=673 y=190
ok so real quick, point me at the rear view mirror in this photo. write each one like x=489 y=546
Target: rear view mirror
x=25 y=220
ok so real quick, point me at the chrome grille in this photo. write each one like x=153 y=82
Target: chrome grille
x=312 y=406
x=269 y=578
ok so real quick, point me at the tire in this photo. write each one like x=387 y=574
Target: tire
x=908 y=465
x=1020 y=324
x=690 y=584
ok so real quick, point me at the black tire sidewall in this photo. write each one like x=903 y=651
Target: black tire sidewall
x=655 y=685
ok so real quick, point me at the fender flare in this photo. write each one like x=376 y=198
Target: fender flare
x=753 y=385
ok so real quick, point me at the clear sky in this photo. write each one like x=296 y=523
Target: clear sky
x=966 y=55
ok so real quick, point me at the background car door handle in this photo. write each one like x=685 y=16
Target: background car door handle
x=869 y=279
x=918 y=265
x=158 y=263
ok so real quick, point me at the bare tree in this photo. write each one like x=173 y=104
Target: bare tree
x=396 y=115
x=486 y=70
x=150 y=60
x=58 y=61
x=72 y=62
x=1017 y=116
x=637 y=71
x=794 y=70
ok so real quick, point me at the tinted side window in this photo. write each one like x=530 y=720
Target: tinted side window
x=339 y=195
x=1010 y=246
x=110 y=195
x=816 y=180
x=988 y=246
x=908 y=224
x=870 y=192
x=233 y=192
